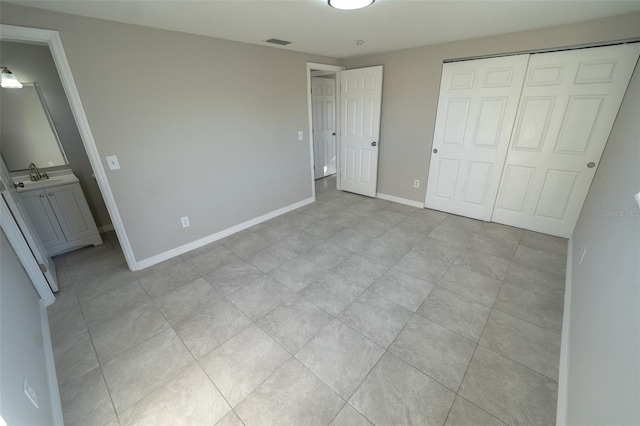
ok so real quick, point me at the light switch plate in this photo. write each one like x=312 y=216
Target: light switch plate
x=112 y=161
x=300 y=136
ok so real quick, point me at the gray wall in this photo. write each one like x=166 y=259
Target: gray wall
x=21 y=344
x=32 y=63
x=221 y=147
x=412 y=82
x=604 y=345
x=202 y=127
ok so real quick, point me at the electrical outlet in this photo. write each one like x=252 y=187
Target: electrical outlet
x=416 y=183
x=112 y=161
x=185 y=221
x=300 y=136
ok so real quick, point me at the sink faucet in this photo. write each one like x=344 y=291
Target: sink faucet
x=35 y=173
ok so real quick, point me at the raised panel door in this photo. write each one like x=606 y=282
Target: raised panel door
x=476 y=110
x=361 y=99
x=569 y=103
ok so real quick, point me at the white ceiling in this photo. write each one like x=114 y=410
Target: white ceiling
x=315 y=27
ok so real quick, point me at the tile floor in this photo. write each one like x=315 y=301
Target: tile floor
x=349 y=311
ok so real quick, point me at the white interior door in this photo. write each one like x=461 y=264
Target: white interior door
x=361 y=100
x=323 y=106
x=476 y=109
x=568 y=106
x=14 y=204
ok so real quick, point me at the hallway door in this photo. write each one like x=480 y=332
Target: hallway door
x=361 y=101
x=323 y=105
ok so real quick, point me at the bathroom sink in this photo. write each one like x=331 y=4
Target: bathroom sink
x=55 y=179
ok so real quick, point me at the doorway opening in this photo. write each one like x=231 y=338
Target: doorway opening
x=51 y=39
x=322 y=82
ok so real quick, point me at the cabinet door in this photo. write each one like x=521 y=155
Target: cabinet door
x=72 y=210
x=43 y=218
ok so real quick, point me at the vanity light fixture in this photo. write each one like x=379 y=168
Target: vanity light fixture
x=349 y=4
x=8 y=80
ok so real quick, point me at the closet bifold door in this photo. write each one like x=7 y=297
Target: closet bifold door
x=568 y=105
x=476 y=111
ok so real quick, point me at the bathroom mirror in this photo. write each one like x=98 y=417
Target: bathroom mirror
x=27 y=134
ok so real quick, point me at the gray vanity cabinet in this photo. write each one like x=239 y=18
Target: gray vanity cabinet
x=61 y=217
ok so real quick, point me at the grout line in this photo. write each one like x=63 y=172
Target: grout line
x=325 y=199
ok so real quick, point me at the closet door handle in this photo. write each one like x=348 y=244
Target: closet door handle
x=435 y=151
x=51 y=194
x=41 y=195
x=591 y=165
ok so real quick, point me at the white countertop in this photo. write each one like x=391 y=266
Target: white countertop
x=57 y=178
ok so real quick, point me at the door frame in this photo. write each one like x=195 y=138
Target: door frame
x=52 y=39
x=322 y=67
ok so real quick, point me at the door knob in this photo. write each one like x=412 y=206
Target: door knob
x=435 y=151
x=41 y=195
x=373 y=144
x=591 y=165
x=51 y=194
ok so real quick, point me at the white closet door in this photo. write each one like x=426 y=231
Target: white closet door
x=476 y=111
x=568 y=106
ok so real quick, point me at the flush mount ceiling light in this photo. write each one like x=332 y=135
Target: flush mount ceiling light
x=8 y=80
x=349 y=4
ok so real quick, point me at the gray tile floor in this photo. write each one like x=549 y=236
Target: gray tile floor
x=348 y=311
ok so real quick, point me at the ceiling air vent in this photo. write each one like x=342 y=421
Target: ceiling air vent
x=280 y=42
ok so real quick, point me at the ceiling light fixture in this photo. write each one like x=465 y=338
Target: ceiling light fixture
x=8 y=80
x=349 y=4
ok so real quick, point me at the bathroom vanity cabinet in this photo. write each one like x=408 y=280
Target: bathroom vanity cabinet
x=60 y=214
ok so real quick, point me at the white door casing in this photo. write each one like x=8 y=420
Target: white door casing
x=361 y=101
x=476 y=108
x=569 y=103
x=323 y=101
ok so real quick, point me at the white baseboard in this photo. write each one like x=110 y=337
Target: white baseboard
x=400 y=200
x=145 y=263
x=105 y=228
x=52 y=378
x=563 y=376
